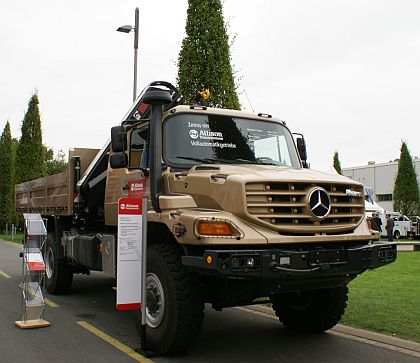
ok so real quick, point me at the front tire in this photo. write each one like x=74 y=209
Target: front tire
x=174 y=308
x=397 y=235
x=58 y=274
x=311 y=311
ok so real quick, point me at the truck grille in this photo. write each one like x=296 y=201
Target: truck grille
x=305 y=208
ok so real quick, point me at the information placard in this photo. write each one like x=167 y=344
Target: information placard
x=129 y=256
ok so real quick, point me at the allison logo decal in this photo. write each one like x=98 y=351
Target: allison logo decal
x=193 y=134
x=205 y=135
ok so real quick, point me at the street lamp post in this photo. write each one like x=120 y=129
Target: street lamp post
x=128 y=29
x=136 y=46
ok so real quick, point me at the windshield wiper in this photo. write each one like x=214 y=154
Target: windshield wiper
x=212 y=160
x=224 y=161
x=200 y=160
x=244 y=161
x=264 y=161
x=267 y=161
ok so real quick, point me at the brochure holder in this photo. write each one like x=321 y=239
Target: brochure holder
x=33 y=274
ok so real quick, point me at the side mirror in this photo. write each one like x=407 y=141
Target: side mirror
x=301 y=146
x=118 y=139
x=118 y=160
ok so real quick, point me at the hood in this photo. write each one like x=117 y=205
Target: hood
x=271 y=172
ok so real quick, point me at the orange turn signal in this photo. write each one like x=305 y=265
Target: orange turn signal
x=216 y=228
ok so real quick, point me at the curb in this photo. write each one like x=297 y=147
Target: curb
x=16 y=244
x=408 y=246
x=354 y=332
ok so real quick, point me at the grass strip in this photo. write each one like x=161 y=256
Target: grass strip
x=18 y=238
x=387 y=299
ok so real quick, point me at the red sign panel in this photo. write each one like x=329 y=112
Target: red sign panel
x=130 y=206
x=136 y=189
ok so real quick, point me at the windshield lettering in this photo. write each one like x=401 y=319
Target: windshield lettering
x=218 y=138
x=213 y=144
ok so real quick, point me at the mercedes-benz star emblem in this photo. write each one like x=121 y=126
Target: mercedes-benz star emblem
x=319 y=203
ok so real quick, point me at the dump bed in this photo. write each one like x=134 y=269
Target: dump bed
x=53 y=194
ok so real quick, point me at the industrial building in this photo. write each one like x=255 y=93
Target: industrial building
x=381 y=178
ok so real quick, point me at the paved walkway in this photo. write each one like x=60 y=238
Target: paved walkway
x=408 y=246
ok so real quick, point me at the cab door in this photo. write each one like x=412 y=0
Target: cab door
x=118 y=180
x=138 y=158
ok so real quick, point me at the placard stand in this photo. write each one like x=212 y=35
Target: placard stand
x=33 y=274
x=143 y=346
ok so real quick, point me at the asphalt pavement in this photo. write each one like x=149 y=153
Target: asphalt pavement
x=86 y=327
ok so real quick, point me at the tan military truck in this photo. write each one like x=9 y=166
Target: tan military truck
x=234 y=216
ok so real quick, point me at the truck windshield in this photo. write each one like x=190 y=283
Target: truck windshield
x=191 y=139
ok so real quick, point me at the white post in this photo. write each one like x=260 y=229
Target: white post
x=143 y=275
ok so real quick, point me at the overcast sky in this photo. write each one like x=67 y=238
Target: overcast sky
x=346 y=74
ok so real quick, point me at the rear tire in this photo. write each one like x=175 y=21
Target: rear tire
x=174 y=308
x=58 y=274
x=397 y=235
x=311 y=311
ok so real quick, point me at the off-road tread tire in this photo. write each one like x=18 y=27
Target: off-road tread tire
x=62 y=277
x=324 y=310
x=183 y=299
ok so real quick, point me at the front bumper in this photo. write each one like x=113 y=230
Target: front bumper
x=291 y=264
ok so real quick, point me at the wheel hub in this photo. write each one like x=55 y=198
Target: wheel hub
x=302 y=301
x=152 y=301
x=155 y=301
x=49 y=263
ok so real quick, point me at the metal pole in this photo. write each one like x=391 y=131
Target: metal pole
x=136 y=46
x=143 y=274
x=7 y=230
x=13 y=232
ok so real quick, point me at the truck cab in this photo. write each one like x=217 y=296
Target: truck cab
x=235 y=217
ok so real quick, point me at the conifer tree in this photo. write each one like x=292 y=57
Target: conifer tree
x=406 y=188
x=30 y=159
x=53 y=164
x=204 y=61
x=7 y=178
x=336 y=163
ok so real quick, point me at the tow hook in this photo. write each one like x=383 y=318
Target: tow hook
x=386 y=254
x=276 y=268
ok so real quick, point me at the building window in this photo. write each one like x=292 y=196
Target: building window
x=384 y=197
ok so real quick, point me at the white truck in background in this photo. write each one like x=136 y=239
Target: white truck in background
x=402 y=224
x=415 y=227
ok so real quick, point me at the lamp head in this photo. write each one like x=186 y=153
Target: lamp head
x=125 y=28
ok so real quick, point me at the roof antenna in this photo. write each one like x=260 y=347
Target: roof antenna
x=249 y=101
